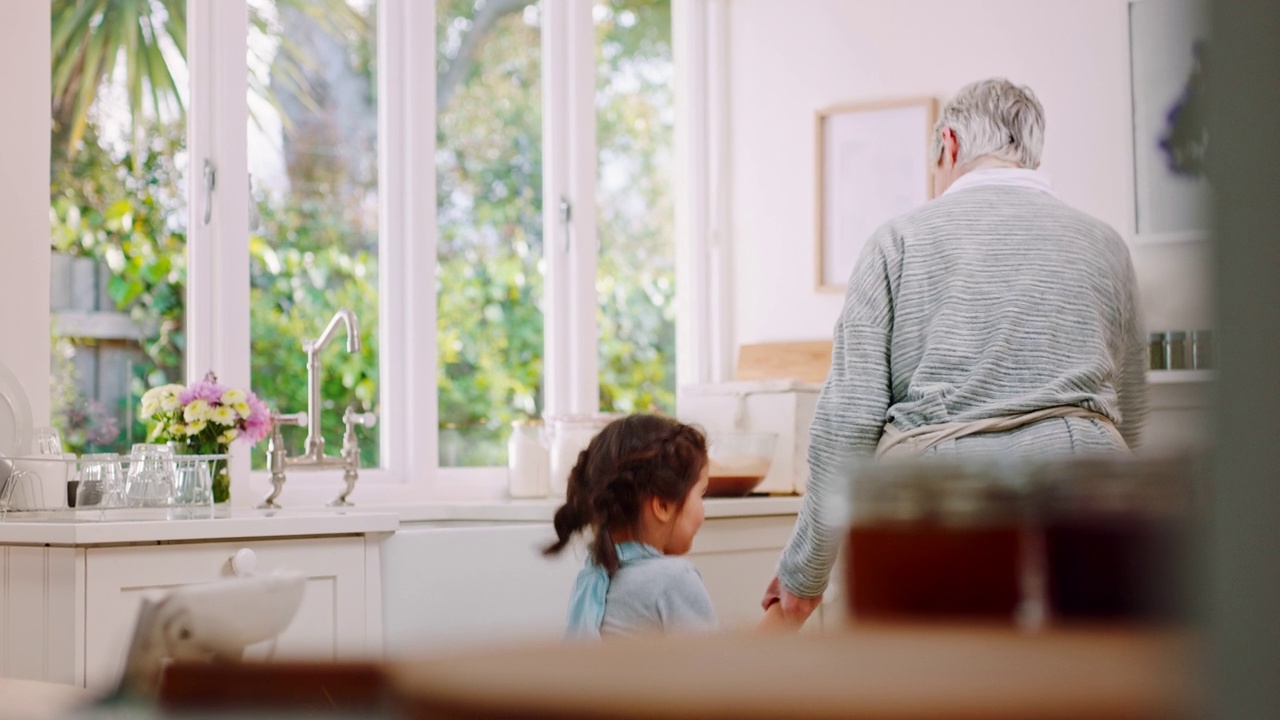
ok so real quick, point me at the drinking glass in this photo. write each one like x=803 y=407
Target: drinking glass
x=45 y=441
x=194 y=483
x=101 y=481
x=150 y=482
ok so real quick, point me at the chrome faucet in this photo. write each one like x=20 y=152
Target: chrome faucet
x=313 y=457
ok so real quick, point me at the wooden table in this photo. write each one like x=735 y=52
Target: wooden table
x=887 y=674
x=35 y=699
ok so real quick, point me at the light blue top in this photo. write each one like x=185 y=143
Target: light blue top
x=649 y=593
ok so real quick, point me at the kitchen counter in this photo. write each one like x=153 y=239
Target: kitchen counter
x=543 y=510
x=97 y=527
x=950 y=673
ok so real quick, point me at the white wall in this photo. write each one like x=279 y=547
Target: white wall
x=788 y=59
x=24 y=199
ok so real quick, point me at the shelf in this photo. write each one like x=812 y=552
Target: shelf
x=1178 y=377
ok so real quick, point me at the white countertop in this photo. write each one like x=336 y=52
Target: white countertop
x=95 y=527
x=543 y=510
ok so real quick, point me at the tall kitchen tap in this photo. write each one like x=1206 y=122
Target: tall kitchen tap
x=313 y=448
x=313 y=457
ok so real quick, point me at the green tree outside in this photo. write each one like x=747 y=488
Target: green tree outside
x=125 y=210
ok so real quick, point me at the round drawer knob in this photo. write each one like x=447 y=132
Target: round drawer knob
x=244 y=562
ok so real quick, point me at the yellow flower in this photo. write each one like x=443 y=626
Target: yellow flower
x=197 y=410
x=223 y=415
x=231 y=397
x=226 y=437
x=194 y=428
x=175 y=429
x=242 y=409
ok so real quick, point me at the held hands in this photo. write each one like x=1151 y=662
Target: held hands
x=783 y=610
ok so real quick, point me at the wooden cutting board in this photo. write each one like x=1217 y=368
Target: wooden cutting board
x=806 y=361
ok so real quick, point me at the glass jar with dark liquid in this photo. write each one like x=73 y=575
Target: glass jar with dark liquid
x=1117 y=535
x=931 y=541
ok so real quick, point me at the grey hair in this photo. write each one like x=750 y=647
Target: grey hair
x=993 y=118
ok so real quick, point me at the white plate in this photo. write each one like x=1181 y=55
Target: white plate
x=15 y=415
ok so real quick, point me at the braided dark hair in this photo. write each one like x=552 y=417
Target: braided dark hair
x=631 y=459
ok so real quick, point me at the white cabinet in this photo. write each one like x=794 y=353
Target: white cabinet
x=447 y=585
x=68 y=612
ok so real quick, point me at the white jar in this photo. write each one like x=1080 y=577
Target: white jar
x=528 y=460
x=570 y=435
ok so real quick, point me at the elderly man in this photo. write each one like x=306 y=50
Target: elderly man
x=995 y=319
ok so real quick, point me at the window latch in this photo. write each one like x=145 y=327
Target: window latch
x=210 y=178
x=566 y=214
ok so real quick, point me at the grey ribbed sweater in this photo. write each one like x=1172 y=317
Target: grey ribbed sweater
x=992 y=300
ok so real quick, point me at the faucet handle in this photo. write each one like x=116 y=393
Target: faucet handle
x=351 y=418
x=299 y=419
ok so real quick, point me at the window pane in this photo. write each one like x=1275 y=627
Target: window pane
x=489 y=210
x=118 y=215
x=313 y=237
x=636 y=276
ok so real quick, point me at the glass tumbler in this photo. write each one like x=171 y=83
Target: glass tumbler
x=193 y=484
x=45 y=441
x=150 y=482
x=101 y=481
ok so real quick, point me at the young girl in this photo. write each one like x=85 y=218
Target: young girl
x=638 y=489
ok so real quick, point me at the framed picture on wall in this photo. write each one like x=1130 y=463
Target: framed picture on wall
x=872 y=164
x=1167 y=43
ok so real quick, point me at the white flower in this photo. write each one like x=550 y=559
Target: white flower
x=152 y=395
x=226 y=437
x=242 y=409
x=223 y=415
x=197 y=410
x=149 y=406
x=231 y=397
x=165 y=396
x=194 y=428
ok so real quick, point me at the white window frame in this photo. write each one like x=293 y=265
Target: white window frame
x=218 y=279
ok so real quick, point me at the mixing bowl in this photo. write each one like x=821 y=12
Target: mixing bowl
x=738 y=461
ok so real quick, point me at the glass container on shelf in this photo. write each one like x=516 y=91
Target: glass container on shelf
x=528 y=460
x=570 y=435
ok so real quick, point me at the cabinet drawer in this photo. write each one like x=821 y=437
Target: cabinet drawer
x=330 y=623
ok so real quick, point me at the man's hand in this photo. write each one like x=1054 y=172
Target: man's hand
x=794 y=608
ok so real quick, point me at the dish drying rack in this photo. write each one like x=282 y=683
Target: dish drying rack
x=51 y=483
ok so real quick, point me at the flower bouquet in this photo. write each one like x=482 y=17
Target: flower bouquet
x=204 y=419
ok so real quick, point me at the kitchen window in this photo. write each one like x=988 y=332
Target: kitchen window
x=489 y=185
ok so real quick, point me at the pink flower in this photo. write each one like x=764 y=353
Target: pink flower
x=207 y=390
x=258 y=425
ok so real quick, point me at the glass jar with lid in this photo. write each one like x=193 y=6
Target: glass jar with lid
x=528 y=460
x=935 y=541
x=1117 y=537
x=569 y=436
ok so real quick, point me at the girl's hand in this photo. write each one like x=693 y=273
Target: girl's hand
x=795 y=609
x=774 y=621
